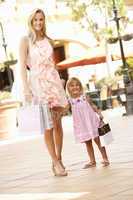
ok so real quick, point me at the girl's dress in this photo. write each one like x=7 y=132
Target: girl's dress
x=85 y=119
x=44 y=80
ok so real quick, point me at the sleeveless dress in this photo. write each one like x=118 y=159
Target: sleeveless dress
x=85 y=119
x=44 y=80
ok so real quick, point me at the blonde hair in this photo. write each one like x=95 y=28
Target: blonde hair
x=32 y=34
x=70 y=81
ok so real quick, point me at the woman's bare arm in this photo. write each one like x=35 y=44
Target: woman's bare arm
x=23 y=53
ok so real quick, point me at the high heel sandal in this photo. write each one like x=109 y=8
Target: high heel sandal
x=62 y=164
x=58 y=170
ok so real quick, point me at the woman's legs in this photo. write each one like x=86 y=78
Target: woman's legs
x=91 y=154
x=57 y=168
x=49 y=140
x=58 y=137
x=102 y=150
x=54 y=144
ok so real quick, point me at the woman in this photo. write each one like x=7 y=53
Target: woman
x=43 y=85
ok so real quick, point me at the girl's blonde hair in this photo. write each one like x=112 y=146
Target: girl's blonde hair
x=70 y=81
x=32 y=34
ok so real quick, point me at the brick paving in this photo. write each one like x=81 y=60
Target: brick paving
x=25 y=169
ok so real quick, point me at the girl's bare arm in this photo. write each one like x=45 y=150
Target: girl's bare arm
x=95 y=108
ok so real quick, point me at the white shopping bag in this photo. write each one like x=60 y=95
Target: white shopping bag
x=34 y=119
x=29 y=119
x=106 y=139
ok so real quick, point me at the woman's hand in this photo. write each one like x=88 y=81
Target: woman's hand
x=59 y=111
x=28 y=98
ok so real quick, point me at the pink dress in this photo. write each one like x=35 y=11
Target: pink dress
x=44 y=80
x=85 y=120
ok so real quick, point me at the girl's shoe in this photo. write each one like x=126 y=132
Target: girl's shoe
x=58 y=170
x=105 y=163
x=90 y=165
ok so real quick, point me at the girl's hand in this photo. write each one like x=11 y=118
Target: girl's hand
x=101 y=116
x=57 y=109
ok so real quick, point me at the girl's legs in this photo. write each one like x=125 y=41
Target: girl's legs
x=103 y=151
x=91 y=154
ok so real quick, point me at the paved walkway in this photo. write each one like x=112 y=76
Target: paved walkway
x=25 y=172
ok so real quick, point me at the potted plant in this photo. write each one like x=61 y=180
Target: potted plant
x=121 y=69
x=112 y=40
x=127 y=37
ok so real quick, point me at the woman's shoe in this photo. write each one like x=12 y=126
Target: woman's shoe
x=58 y=170
x=62 y=164
x=90 y=165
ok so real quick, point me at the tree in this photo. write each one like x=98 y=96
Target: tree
x=82 y=9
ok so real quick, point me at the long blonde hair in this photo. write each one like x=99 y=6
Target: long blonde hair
x=32 y=34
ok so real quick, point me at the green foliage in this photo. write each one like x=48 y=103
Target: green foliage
x=130 y=62
x=109 y=5
x=80 y=12
x=108 y=81
x=5 y=95
x=130 y=66
x=121 y=69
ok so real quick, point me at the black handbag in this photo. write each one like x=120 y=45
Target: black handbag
x=105 y=128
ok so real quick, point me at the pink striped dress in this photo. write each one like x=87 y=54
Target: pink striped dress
x=44 y=80
x=85 y=119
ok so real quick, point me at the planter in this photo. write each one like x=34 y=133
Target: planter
x=8 y=119
x=127 y=37
x=112 y=40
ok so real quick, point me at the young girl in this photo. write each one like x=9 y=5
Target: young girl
x=86 y=120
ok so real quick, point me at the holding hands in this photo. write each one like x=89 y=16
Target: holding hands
x=28 y=98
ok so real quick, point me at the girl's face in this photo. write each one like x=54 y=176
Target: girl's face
x=75 y=89
x=38 y=22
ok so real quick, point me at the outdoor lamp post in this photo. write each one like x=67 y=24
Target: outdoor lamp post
x=126 y=79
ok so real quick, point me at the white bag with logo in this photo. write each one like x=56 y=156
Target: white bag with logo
x=33 y=119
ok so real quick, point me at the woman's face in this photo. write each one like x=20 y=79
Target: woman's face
x=38 y=22
x=74 y=89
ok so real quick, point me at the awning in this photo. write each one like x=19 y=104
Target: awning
x=94 y=55
x=80 y=61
